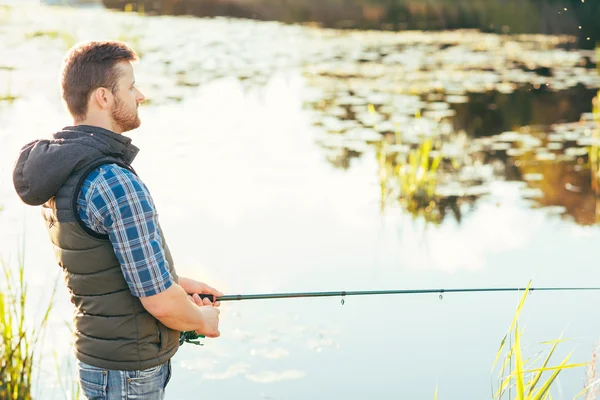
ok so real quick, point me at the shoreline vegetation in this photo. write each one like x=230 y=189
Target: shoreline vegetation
x=21 y=344
x=554 y=17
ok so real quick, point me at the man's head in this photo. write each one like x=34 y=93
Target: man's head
x=98 y=85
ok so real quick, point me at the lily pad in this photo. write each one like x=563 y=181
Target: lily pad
x=545 y=156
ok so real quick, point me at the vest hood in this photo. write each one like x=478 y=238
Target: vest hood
x=43 y=166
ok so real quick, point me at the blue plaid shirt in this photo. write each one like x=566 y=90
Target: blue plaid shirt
x=114 y=201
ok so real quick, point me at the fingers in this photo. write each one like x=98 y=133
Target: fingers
x=197 y=300
x=211 y=334
x=212 y=290
x=205 y=301
x=211 y=322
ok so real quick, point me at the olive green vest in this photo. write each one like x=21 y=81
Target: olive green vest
x=112 y=328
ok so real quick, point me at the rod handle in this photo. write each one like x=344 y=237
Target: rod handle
x=207 y=296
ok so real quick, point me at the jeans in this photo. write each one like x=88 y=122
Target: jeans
x=102 y=384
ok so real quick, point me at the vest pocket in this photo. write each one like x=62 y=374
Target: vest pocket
x=163 y=337
x=94 y=382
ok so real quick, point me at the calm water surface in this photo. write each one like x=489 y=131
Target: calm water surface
x=250 y=203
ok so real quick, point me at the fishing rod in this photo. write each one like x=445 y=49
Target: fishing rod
x=238 y=297
x=191 y=336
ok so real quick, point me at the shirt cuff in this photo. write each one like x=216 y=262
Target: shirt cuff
x=155 y=287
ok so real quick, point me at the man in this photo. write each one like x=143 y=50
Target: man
x=130 y=303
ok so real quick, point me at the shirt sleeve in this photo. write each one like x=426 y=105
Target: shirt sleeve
x=119 y=204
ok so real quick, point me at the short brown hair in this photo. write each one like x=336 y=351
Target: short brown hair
x=89 y=66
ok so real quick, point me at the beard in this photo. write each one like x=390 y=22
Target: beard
x=123 y=118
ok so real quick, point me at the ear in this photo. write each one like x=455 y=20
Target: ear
x=102 y=97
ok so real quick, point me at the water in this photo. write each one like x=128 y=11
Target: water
x=250 y=202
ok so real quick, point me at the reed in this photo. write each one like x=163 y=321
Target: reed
x=526 y=376
x=20 y=345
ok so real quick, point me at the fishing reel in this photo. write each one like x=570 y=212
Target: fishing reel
x=190 y=337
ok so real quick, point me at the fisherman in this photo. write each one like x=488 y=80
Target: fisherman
x=130 y=304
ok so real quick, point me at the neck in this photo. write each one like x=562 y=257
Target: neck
x=99 y=122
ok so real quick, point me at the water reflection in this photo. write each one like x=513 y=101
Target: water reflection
x=491 y=113
x=558 y=165
x=423 y=107
x=558 y=169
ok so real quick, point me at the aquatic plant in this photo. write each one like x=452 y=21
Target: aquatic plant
x=410 y=176
x=522 y=374
x=19 y=346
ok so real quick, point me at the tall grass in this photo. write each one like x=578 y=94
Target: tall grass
x=524 y=377
x=19 y=347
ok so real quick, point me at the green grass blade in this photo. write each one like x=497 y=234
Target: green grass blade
x=515 y=318
x=502 y=343
x=507 y=360
x=541 y=370
x=568 y=366
x=436 y=163
x=546 y=387
x=519 y=366
x=520 y=307
x=505 y=384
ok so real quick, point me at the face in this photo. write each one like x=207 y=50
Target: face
x=124 y=110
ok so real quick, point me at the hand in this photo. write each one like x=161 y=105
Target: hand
x=192 y=286
x=210 y=316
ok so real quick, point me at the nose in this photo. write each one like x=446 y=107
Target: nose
x=140 y=97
